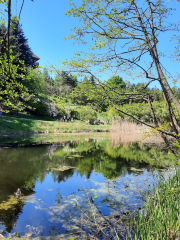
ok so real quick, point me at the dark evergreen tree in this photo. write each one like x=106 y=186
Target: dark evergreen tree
x=3 y=31
x=22 y=49
x=65 y=83
x=92 y=80
x=18 y=45
x=65 y=79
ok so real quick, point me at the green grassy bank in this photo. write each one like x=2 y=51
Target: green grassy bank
x=160 y=217
x=12 y=125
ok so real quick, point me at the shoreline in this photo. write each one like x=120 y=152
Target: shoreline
x=8 y=134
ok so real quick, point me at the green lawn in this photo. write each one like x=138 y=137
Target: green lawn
x=19 y=125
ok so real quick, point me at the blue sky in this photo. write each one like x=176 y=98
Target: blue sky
x=45 y=25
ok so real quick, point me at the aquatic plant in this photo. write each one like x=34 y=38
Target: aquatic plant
x=159 y=219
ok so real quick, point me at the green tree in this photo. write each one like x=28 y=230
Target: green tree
x=50 y=85
x=65 y=83
x=123 y=32
x=36 y=85
x=13 y=94
x=88 y=93
x=116 y=82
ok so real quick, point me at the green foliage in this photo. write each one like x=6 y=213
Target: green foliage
x=94 y=197
x=85 y=113
x=36 y=84
x=142 y=111
x=64 y=84
x=116 y=82
x=87 y=92
x=60 y=105
x=109 y=25
x=13 y=94
x=14 y=62
x=112 y=112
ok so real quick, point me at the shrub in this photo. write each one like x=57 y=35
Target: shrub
x=85 y=113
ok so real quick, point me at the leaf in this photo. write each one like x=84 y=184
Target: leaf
x=94 y=197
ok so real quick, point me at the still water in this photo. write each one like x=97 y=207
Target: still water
x=68 y=185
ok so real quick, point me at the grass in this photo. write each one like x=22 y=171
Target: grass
x=22 y=125
x=160 y=217
x=128 y=127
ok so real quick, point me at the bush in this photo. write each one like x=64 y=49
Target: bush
x=75 y=114
x=39 y=108
x=61 y=110
x=85 y=113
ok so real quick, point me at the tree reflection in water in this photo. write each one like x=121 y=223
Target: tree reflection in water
x=25 y=167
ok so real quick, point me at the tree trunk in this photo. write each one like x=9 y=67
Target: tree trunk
x=172 y=117
x=151 y=43
x=152 y=113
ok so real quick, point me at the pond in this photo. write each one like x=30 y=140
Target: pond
x=73 y=184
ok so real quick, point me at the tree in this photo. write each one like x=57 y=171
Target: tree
x=36 y=85
x=13 y=94
x=87 y=93
x=49 y=82
x=92 y=80
x=83 y=93
x=65 y=83
x=22 y=49
x=124 y=31
x=116 y=82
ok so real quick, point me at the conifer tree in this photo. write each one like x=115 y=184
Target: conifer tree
x=22 y=48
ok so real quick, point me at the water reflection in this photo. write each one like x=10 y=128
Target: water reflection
x=52 y=179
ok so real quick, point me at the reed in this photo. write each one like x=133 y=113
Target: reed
x=124 y=139
x=128 y=127
x=159 y=218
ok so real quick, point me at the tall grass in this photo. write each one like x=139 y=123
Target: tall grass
x=160 y=218
x=128 y=127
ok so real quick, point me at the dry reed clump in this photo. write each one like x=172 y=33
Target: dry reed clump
x=124 y=139
x=128 y=139
x=129 y=127
x=125 y=133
